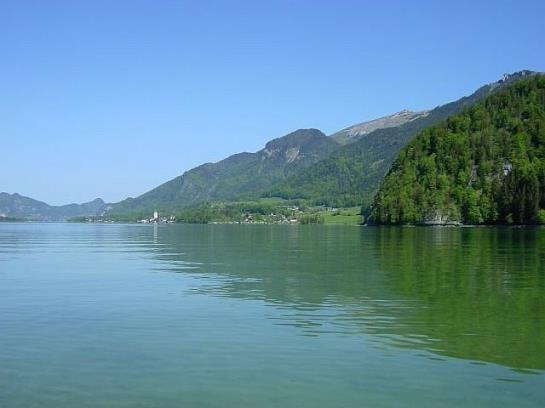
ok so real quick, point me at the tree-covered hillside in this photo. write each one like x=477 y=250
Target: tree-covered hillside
x=352 y=175
x=485 y=165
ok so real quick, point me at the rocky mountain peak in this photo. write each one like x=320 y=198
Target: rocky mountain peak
x=355 y=132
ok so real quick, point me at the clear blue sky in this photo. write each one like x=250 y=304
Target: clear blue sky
x=111 y=98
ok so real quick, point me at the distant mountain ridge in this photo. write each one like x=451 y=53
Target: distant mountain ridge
x=344 y=169
x=242 y=175
x=18 y=206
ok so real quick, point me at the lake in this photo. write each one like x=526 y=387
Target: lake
x=271 y=316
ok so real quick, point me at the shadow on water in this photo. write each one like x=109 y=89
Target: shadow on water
x=476 y=294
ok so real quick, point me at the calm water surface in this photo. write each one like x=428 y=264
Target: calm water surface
x=270 y=316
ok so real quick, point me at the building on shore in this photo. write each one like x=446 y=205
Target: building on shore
x=156 y=219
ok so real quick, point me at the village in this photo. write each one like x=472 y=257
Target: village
x=157 y=219
x=220 y=214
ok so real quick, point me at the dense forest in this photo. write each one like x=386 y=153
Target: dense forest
x=483 y=166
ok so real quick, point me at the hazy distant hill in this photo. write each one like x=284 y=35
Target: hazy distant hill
x=486 y=165
x=18 y=206
x=352 y=174
x=243 y=175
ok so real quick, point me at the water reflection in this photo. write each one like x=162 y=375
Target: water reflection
x=483 y=290
x=476 y=294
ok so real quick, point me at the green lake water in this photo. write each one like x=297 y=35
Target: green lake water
x=271 y=316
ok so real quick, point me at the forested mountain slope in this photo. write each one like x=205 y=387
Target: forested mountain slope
x=483 y=166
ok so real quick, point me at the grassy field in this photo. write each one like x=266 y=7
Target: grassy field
x=346 y=216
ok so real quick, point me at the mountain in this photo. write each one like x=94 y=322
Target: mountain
x=483 y=166
x=344 y=169
x=18 y=206
x=243 y=175
x=352 y=174
x=355 y=132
